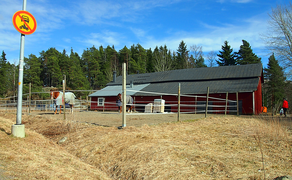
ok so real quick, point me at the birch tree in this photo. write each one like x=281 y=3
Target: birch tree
x=279 y=39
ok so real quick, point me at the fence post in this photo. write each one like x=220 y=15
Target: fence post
x=134 y=103
x=87 y=103
x=237 y=103
x=124 y=96
x=64 y=104
x=178 y=103
x=226 y=103
x=27 y=103
x=207 y=100
x=196 y=105
x=29 y=98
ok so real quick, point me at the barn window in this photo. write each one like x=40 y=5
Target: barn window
x=101 y=101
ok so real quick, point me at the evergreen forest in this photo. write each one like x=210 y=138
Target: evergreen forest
x=94 y=68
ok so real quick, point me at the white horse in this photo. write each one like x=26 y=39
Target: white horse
x=58 y=100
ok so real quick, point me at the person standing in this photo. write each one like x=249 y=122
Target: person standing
x=119 y=102
x=285 y=106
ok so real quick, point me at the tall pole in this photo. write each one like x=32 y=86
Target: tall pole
x=124 y=95
x=18 y=128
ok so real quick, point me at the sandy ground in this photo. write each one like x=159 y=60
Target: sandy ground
x=114 y=119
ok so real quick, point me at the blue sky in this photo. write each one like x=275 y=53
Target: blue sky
x=66 y=24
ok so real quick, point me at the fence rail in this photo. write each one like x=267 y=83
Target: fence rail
x=39 y=105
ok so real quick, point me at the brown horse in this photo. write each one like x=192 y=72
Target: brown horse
x=58 y=100
x=129 y=102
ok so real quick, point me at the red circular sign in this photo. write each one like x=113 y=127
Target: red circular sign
x=24 y=22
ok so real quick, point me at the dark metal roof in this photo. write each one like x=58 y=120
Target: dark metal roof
x=243 y=78
x=195 y=74
x=200 y=87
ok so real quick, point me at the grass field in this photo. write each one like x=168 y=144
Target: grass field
x=219 y=147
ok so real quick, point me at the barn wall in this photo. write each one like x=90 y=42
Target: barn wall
x=258 y=98
x=187 y=103
x=110 y=104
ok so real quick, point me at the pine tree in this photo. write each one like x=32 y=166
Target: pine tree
x=275 y=78
x=78 y=80
x=162 y=59
x=90 y=65
x=32 y=71
x=149 y=64
x=182 y=56
x=3 y=74
x=124 y=57
x=138 y=58
x=226 y=57
x=200 y=62
x=51 y=68
x=245 y=55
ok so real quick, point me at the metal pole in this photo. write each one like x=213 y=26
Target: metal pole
x=18 y=129
x=124 y=96
x=207 y=100
x=178 y=103
x=20 y=78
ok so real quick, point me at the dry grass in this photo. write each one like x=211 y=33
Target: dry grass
x=224 y=147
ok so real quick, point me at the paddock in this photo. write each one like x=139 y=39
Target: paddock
x=114 y=119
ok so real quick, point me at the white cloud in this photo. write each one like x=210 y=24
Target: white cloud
x=105 y=37
x=213 y=37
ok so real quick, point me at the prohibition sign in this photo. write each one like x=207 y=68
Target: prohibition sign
x=24 y=22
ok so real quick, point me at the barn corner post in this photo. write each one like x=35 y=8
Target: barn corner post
x=18 y=129
x=124 y=96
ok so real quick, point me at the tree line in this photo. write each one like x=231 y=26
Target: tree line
x=94 y=68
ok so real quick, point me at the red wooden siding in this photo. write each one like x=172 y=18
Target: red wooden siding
x=188 y=103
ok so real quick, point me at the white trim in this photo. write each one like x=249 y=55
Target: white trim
x=100 y=103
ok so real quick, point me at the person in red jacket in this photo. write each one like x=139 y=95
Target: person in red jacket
x=285 y=106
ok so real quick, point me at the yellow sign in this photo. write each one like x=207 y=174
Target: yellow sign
x=24 y=22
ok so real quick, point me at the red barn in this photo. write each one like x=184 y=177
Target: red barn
x=246 y=80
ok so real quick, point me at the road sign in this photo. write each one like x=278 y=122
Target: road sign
x=24 y=22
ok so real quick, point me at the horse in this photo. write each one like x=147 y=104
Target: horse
x=58 y=100
x=129 y=102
